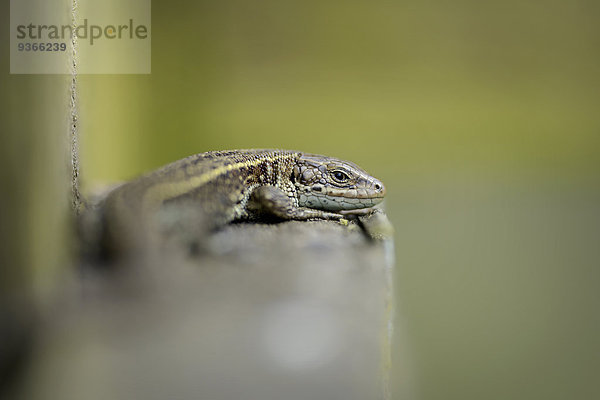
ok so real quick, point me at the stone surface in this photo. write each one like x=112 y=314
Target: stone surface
x=291 y=310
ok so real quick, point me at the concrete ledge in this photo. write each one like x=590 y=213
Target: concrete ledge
x=295 y=310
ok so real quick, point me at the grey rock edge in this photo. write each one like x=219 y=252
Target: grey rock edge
x=292 y=310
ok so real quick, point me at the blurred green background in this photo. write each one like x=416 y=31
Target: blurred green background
x=480 y=117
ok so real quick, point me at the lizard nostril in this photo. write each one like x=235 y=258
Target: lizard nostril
x=377 y=186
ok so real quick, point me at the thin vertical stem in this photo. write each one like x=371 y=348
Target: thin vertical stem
x=74 y=125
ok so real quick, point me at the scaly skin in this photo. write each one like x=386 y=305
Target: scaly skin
x=224 y=186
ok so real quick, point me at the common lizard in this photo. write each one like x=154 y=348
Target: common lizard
x=219 y=187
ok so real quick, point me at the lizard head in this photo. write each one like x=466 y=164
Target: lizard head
x=327 y=183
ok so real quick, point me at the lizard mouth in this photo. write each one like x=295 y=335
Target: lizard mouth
x=336 y=199
x=359 y=193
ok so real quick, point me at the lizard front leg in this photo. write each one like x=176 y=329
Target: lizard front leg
x=272 y=201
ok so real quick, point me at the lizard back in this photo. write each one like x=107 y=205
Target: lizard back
x=215 y=185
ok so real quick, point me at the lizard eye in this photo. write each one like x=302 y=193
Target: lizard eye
x=340 y=176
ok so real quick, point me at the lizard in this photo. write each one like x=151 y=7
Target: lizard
x=232 y=185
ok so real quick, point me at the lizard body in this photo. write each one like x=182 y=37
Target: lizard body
x=224 y=186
